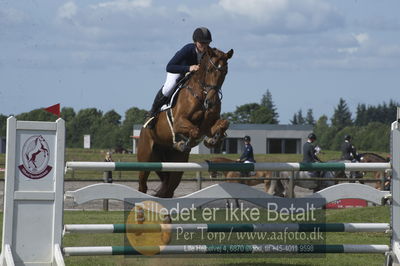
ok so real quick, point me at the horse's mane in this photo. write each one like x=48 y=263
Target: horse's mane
x=372 y=154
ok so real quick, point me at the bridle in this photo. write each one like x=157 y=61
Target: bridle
x=206 y=88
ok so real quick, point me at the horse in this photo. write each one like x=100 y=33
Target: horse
x=370 y=157
x=235 y=174
x=309 y=184
x=194 y=117
x=38 y=148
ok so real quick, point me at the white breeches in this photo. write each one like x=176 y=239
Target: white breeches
x=170 y=83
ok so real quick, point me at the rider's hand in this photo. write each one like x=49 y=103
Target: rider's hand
x=194 y=68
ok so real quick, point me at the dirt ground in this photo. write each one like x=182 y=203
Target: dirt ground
x=184 y=188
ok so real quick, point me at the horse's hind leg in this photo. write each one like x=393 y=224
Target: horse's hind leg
x=144 y=154
x=169 y=182
x=143 y=176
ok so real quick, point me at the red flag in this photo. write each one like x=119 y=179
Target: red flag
x=54 y=109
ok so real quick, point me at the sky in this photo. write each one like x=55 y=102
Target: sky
x=111 y=55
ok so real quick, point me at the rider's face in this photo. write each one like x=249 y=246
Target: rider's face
x=202 y=46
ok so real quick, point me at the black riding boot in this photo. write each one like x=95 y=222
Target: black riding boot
x=159 y=101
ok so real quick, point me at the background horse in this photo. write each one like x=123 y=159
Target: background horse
x=370 y=157
x=309 y=184
x=235 y=174
x=194 y=117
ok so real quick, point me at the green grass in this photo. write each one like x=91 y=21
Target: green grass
x=370 y=214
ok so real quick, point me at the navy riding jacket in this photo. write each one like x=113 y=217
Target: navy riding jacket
x=183 y=59
x=247 y=154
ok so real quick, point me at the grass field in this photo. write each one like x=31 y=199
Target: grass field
x=370 y=214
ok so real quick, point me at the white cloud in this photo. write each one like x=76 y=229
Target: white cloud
x=259 y=9
x=67 y=11
x=124 y=5
x=286 y=15
x=11 y=16
x=361 y=38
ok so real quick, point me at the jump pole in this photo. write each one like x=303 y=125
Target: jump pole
x=224 y=249
x=193 y=167
x=289 y=227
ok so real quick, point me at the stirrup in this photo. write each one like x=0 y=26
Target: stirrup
x=149 y=121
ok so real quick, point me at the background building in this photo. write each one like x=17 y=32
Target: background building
x=265 y=138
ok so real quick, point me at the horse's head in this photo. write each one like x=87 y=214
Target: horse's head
x=215 y=66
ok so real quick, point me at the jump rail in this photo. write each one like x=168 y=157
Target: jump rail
x=289 y=227
x=193 y=167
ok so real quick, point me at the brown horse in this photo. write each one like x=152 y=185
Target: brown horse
x=235 y=174
x=370 y=157
x=194 y=117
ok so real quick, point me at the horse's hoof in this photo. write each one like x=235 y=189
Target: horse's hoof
x=182 y=147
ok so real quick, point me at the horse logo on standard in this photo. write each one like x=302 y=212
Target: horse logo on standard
x=35 y=158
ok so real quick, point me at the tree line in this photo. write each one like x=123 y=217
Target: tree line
x=370 y=127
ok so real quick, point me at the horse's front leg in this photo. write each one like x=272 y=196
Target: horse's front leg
x=185 y=128
x=217 y=133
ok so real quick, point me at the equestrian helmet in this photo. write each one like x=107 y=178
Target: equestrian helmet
x=202 y=35
x=247 y=138
x=312 y=136
x=347 y=137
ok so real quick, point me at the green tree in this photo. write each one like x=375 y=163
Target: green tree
x=242 y=114
x=37 y=115
x=309 y=120
x=341 y=116
x=68 y=114
x=133 y=116
x=3 y=125
x=87 y=121
x=112 y=118
x=263 y=113
x=294 y=119
x=361 y=115
x=324 y=132
x=298 y=118
x=267 y=102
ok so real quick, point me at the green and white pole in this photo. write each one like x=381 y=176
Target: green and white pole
x=171 y=167
x=203 y=228
x=223 y=249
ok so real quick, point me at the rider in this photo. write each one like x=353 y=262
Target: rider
x=185 y=60
x=348 y=150
x=310 y=152
x=247 y=155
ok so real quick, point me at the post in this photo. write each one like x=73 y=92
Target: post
x=199 y=180
x=33 y=193
x=291 y=185
x=395 y=188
